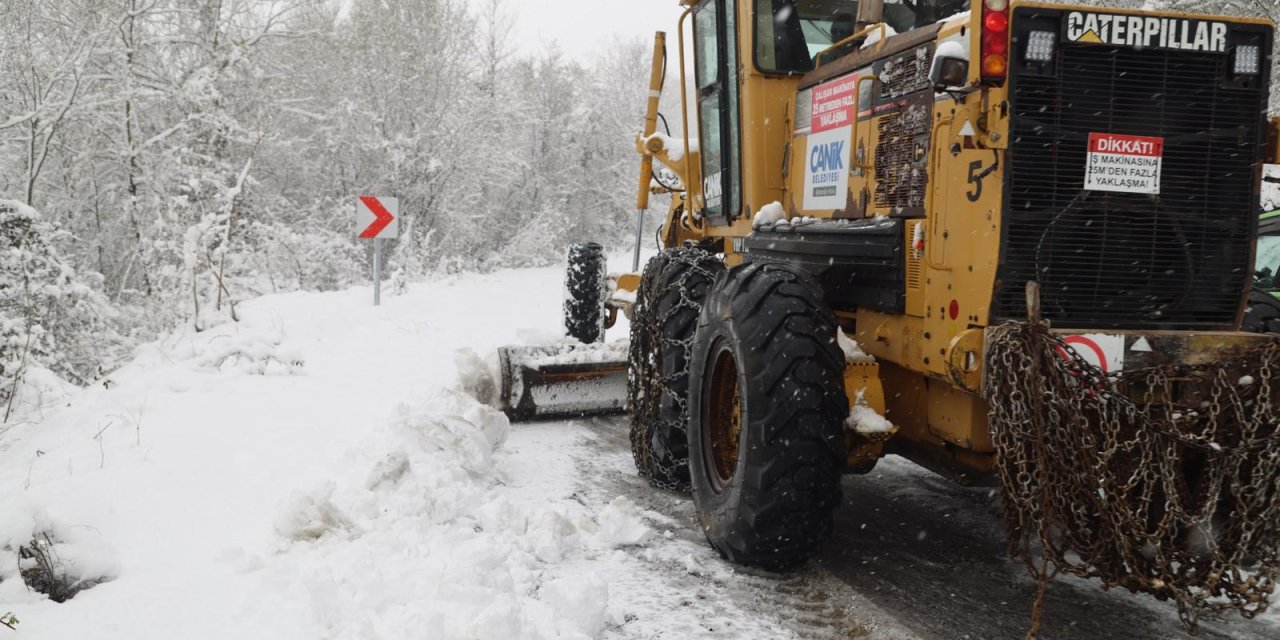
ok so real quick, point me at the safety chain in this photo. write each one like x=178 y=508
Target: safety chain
x=1164 y=480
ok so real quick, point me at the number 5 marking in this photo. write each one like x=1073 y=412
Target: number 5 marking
x=977 y=174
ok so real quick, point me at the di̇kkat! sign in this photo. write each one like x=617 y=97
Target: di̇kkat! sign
x=1127 y=164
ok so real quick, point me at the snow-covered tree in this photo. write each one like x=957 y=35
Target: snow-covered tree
x=50 y=316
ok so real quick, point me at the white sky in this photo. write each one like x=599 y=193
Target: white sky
x=582 y=26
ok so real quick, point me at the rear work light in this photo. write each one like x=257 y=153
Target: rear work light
x=995 y=40
x=1040 y=46
x=1248 y=59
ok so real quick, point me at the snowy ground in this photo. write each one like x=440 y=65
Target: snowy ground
x=313 y=472
x=322 y=470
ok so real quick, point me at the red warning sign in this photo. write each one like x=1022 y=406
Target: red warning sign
x=1127 y=164
x=1103 y=351
x=833 y=104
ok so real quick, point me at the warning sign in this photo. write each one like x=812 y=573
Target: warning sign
x=1103 y=351
x=1129 y=164
x=833 y=104
x=826 y=173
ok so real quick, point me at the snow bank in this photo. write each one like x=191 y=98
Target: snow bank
x=39 y=390
x=426 y=539
x=477 y=377
x=582 y=601
x=250 y=355
x=311 y=515
x=204 y=473
x=252 y=347
x=621 y=524
x=361 y=497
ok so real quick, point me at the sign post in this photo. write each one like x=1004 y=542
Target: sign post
x=377 y=218
x=377 y=272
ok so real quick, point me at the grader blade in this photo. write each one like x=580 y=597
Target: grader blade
x=563 y=381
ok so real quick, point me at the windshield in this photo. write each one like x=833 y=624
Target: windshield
x=905 y=15
x=789 y=33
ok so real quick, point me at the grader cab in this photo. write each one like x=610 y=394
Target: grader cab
x=1010 y=241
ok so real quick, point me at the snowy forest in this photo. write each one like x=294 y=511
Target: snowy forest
x=164 y=159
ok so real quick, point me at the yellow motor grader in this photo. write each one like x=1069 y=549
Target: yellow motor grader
x=1009 y=241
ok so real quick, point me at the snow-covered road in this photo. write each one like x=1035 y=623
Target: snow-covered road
x=322 y=470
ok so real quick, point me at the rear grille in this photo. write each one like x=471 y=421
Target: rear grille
x=901 y=170
x=1122 y=260
x=901 y=158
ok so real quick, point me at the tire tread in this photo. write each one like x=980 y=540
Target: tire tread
x=790 y=478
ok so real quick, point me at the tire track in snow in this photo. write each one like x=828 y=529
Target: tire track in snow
x=933 y=553
x=808 y=604
x=913 y=556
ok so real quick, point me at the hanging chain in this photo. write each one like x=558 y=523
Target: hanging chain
x=1164 y=480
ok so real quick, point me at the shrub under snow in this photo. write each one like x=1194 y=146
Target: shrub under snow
x=50 y=316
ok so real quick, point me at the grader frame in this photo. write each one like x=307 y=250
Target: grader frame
x=930 y=353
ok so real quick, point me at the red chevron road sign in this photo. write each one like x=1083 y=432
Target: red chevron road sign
x=377 y=217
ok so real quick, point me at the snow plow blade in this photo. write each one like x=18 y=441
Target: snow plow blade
x=563 y=381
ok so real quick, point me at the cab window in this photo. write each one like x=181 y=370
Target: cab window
x=906 y=15
x=789 y=33
x=706 y=37
x=718 y=122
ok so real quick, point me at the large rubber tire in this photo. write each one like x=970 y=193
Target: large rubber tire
x=586 y=288
x=1263 y=314
x=670 y=298
x=765 y=356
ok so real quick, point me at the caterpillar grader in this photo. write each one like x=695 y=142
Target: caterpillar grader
x=1012 y=242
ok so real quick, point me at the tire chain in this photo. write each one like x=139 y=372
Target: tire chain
x=648 y=385
x=1112 y=477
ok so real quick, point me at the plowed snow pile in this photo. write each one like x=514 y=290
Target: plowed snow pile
x=429 y=516
x=323 y=469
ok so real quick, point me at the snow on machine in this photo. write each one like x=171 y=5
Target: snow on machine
x=1010 y=241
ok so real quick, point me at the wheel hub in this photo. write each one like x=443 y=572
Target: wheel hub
x=723 y=420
